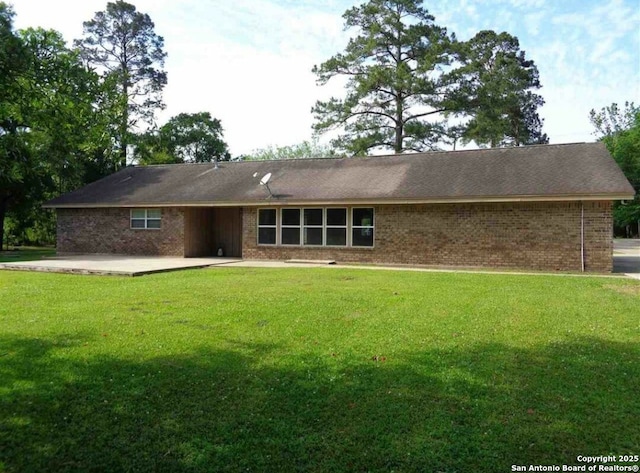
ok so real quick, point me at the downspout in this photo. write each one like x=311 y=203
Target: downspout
x=582 y=235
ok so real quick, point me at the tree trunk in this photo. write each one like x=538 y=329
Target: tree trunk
x=124 y=124
x=3 y=212
x=123 y=136
x=399 y=128
x=123 y=149
x=398 y=145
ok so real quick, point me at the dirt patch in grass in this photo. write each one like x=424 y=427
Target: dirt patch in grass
x=632 y=290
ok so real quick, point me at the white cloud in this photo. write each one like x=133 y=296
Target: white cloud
x=587 y=59
x=532 y=4
x=261 y=98
x=255 y=71
x=534 y=22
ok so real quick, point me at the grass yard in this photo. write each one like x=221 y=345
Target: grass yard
x=25 y=253
x=315 y=370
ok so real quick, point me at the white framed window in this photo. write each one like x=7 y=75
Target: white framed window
x=267 y=226
x=146 y=219
x=313 y=225
x=362 y=226
x=290 y=228
x=317 y=226
x=336 y=227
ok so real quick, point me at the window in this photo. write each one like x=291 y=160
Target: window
x=267 y=226
x=290 y=227
x=336 y=229
x=145 y=219
x=362 y=227
x=312 y=230
x=317 y=227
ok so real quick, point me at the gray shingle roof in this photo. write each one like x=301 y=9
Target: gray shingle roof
x=546 y=172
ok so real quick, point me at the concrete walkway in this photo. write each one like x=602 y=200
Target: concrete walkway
x=626 y=262
x=114 y=265
x=626 y=257
x=424 y=269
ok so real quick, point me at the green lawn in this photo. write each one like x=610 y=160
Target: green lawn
x=320 y=370
x=25 y=253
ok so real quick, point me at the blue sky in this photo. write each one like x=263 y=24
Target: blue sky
x=248 y=62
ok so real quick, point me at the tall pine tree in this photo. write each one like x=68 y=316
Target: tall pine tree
x=121 y=42
x=499 y=82
x=396 y=80
x=407 y=77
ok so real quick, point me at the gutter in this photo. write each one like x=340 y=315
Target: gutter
x=283 y=202
x=582 y=236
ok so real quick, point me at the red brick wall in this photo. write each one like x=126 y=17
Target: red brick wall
x=108 y=231
x=541 y=236
x=598 y=236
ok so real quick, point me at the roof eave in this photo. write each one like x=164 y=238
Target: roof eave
x=378 y=201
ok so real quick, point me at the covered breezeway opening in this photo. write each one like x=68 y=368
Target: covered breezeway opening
x=207 y=229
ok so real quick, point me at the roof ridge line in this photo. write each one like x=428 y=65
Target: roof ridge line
x=394 y=155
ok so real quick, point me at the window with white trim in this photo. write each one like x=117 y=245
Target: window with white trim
x=313 y=220
x=290 y=227
x=146 y=219
x=267 y=228
x=362 y=226
x=331 y=226
x=336 y=227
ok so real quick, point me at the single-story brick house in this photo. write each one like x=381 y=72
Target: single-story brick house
x=542 y=207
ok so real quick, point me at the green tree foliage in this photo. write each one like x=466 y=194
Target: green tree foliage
x=396 y=79
x=613 y=120
x=100 y=153
x=65 y=111
x=12 y=62
x=306 y=149
x=195 y=138
x=499 y=81
x=67 y=131
x=185 y=138
x=405 y=74
x=52 y=130
x=18 y=175
x=619 y=129
x=121 y=42
x=152 y=148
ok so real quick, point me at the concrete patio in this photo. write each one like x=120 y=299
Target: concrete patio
x=114 y=264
